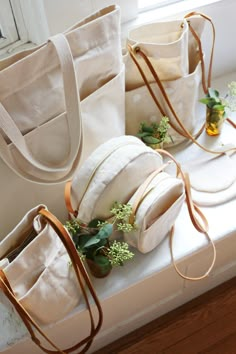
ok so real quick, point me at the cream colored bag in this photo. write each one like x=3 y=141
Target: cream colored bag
x=58 y=102
x=171 y=63
x=156 y=205
x=111 y=174
x=184 y=95
x=42 y=274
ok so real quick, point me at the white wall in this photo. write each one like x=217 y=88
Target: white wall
x=62 y=14
x=222 y=13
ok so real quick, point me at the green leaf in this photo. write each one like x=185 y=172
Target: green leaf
x=82 y=240
x=151 y=140
x=206 y=100
x=213 y=93
x=147 y=129
x=92 y=241
x=141 y=135
x=105 y=231
x=219 y=107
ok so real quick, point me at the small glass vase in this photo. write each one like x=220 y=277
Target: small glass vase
x=97 y=270
x=156 y=146
x=214 y=121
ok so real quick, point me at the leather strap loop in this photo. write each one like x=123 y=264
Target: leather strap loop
x=205 y=84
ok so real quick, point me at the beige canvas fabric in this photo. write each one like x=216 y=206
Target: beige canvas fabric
x=158 y=207
x=111 y=174
x=166 y=45
x=183 y=94
x=40 y=274
x=58 y=102
x=174 y=54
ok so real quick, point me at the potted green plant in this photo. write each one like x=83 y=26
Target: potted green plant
x=93 y=244
x=155 y=134
x=218 y=107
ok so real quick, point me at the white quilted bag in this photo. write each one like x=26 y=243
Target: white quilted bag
x=156 y=205
x=112 y=173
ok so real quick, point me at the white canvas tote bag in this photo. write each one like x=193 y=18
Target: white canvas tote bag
x=58 y=102
x=111 y=174
x=148 y=81
x=42 y=274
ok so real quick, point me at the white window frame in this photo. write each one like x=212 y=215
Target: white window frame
x=7 y=25
x=31 y=23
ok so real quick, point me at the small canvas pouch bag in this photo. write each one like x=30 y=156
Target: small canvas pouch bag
x=112 y=173
x=156 y=205
x=42 y=274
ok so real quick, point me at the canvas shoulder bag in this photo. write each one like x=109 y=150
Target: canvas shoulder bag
x=48 y=127
x=35 y=285
x=58 y=102
x=169 y=97
x=155 y=207
x=182 y=91
x=111 y=174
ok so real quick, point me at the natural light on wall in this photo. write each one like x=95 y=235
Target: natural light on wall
x=150 y=4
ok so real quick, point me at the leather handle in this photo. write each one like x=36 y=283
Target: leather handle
x=205 y=83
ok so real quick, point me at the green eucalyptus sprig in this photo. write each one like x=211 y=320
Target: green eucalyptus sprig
x=92 y=239
x=155 y=133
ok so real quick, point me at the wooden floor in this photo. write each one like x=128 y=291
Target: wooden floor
x=206 y=325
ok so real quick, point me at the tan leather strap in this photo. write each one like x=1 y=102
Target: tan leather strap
x=231 y=122
x=67 y=196
x=79 y=271
x=184 y=131
x=194 y=213
x=205 y=85
x=175 y=263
